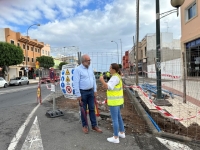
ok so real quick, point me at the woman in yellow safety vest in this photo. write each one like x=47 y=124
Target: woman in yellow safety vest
x=114 y=100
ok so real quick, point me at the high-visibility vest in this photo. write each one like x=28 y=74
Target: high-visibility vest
x=115 y=96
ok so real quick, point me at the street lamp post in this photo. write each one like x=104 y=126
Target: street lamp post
x=117 y=51
x=64 y=54
x=121 y=50
x=26 y=47
x=174 y=3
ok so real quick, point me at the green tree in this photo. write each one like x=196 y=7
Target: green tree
x=10 y=55
x=61 y=64
x=45 y=61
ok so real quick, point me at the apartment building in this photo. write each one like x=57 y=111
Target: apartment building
x=132 y=58
x=31 y=49
x=190 y=40
x=69 y=59
x=46 y=50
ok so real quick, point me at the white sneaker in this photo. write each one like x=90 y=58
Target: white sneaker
x=113 y=140
x=121 y=135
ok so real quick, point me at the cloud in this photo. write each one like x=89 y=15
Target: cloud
x=87 y=24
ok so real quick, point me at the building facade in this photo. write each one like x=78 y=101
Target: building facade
x=31 y=49
x=170 y=55
x=190 y=40
x=46 y=50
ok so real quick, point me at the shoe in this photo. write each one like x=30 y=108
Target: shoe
x=121 y=135
x=97 y=129
x=113 y=140
x=85 y=130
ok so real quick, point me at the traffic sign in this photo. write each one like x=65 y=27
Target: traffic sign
x=68 y=89
x=62 y=85
x=67 y=72
x=62 y=78
x=67 y=79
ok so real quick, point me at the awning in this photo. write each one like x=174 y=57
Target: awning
x=22 y=68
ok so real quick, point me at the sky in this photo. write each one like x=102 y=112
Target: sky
x=88 y=25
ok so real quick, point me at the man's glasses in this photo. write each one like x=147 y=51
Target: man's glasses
x=88 y=60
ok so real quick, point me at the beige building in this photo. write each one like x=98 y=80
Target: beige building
x=69 y=59
x=46 y=50
x=170 y=51
x=190 y=40
x=31 y=53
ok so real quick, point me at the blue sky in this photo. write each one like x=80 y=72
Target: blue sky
x=90 y=25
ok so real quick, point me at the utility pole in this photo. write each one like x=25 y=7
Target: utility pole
x=137 y=40
x=157 y=61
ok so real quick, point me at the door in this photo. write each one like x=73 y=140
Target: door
x=22 y=80
x=20 y=73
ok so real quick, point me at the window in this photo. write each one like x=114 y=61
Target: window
x=38 y=50
x=31 y=48
x=23 y=46
x=28 y=59
x=24 y=58
x=27 y=47
x=35 y=49
x=192 y=11
x=45 y=52
x=12 y=42
x=145 y=50
x=18 y=44
x=42 y=51
x=32 y=59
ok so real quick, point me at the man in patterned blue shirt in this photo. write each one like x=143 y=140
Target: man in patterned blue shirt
x=85 y=90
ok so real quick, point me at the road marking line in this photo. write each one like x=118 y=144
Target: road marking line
x=33 y=139
x=19 y=133
x=173 y=145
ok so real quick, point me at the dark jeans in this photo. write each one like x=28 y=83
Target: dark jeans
x=87 y=98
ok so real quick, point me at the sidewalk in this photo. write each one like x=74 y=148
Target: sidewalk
x=65 y=133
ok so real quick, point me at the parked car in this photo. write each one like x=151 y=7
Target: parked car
x=19 y=81
x=3 y=82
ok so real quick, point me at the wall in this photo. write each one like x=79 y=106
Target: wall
x=190 y=29
x=2 y=35
x=169 y=70
x=12 y=73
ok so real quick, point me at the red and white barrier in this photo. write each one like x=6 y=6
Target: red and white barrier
x=165 y=75
x=161 y=110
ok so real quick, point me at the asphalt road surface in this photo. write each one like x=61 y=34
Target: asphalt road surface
x=16 y=103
